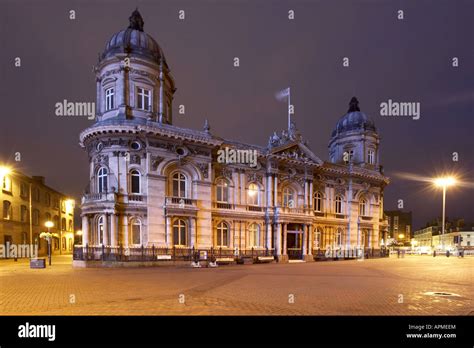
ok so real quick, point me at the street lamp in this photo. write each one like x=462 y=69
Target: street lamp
x=444 y=182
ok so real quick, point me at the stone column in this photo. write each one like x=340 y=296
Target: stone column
x=275 y=191
x=105 y=237
x=169 y=242
x=285 y=250
x=113 y=230
x=85 y=230
x=125 y=231
x=310 y=195
x=310 y=239
x=192 y=227
x=277 y=236
x=269 y=190
x=268 y=234
x=305 y=239
x=306 y=193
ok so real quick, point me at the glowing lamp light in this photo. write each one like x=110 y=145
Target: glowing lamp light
x=49 y=224
x=445 y=181
x=4 y=171
x=401 y=235
x=79 y=233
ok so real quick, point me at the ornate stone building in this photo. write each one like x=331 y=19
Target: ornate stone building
x=153 y=183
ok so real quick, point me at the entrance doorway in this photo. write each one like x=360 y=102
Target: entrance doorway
x=294 y=241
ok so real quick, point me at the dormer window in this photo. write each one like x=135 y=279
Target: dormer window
x=143 y=99
x=109 y=99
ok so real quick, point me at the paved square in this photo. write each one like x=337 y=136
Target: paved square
x=370 y=287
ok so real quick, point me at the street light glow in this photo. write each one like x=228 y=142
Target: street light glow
x=49 y=224
x=4 y=171
x=444 y=181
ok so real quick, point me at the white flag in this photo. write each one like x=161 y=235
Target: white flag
x=283 y=94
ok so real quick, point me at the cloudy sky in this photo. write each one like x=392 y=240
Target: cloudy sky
x=407 y=60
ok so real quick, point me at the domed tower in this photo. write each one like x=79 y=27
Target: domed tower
x=133 y=78
x=355 y=139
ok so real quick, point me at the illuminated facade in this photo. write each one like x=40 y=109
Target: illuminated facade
x=153 y=183
x=27 y=203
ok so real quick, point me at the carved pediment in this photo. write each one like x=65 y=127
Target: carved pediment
x=297 y=151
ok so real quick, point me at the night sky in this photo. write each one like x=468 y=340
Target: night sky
x=404 y=60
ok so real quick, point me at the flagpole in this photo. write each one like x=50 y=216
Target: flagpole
x=289 y=114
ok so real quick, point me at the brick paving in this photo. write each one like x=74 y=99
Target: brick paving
x=370 y=287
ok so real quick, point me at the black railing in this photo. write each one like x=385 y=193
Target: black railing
x=142 y=254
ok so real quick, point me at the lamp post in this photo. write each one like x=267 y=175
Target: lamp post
x=444 y=182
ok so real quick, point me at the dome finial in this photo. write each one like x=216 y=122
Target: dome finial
x=354 y=105
x=136 y=20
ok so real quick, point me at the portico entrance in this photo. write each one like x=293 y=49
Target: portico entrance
x=294 y=241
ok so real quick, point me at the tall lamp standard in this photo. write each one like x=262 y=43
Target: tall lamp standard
x=444 y=182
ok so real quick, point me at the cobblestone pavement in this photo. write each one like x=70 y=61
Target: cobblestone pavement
x=369 y=287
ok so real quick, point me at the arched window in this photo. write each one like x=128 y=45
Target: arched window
x=254 y=235
x=36 y=217
x=47 y=216
x=317 y=238
x=134 y=181
x=318 y=202
x=71 y=228
x=338 y=239
x=222 y=234
x=363 y=207
x=180 y=232
x=179 y=185
x=100 y=229
x=102 y=176
x=338 y=204
x=288 y=198
x=136 y=236
x=109 y=99
x=254 y=194
x=63 y=224
x=222 y=191
x=6 y=183
x=56 y=222
x=7 y=210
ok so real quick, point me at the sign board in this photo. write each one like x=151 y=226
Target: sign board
x=38 y=263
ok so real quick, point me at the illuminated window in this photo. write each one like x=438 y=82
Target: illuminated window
x=100 y=229
x=136 y=232
x=222 y=234
x=7 y=183
x=253 y=194
x=179 y=185
x=7 y=210
x=143 y=99
x=109 y=98
x=371 y=156
x=254 y=235
x=318 y=202
x=222 y=191
x=363 y=207
x=338 y=204
x=180 y=232
x=288 y=198
x=102 y=178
